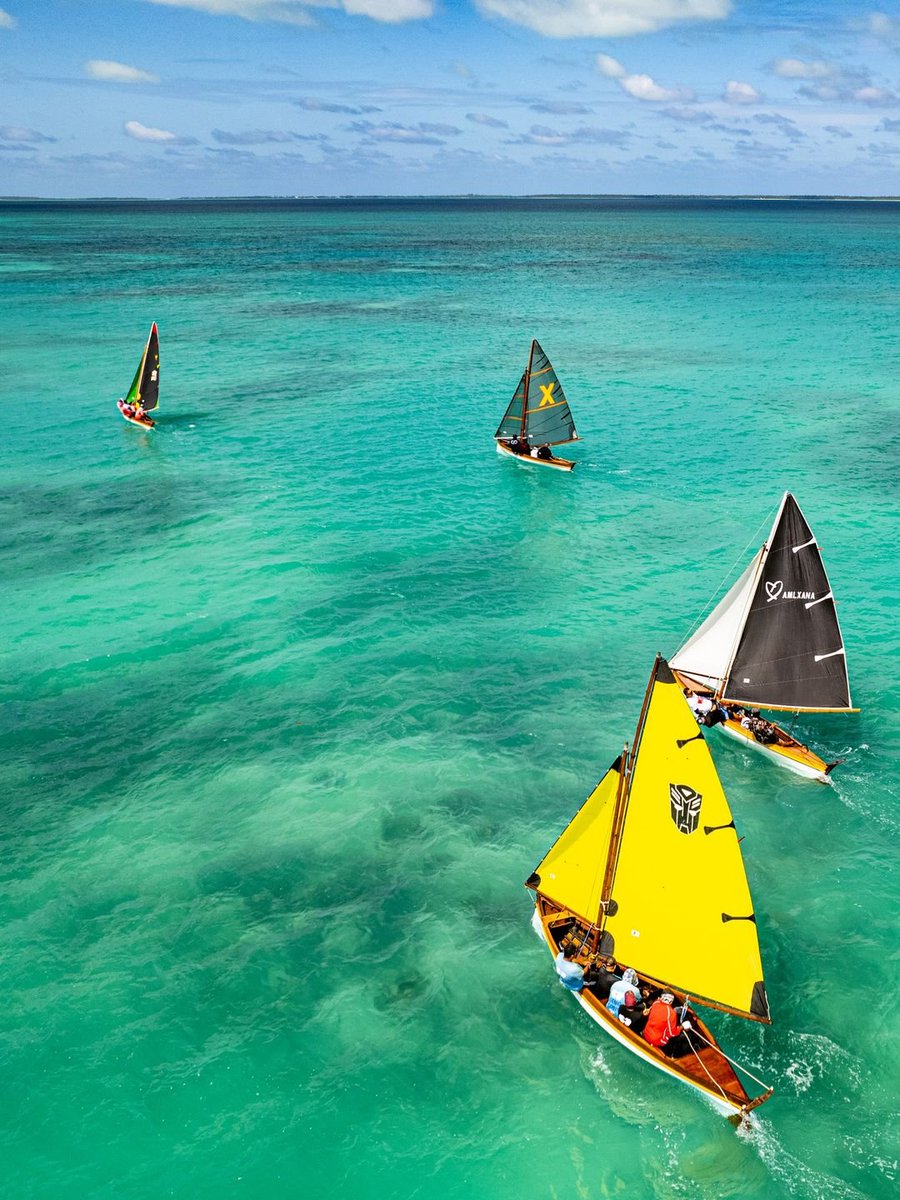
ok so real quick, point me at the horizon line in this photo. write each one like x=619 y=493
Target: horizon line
x=344 y=196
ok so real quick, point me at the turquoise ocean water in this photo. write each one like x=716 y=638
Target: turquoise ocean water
x=298 y=689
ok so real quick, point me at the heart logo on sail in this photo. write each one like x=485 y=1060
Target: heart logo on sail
x=774 y=589
x=685 y=807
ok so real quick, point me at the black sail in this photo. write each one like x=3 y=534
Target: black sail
x=791 y=653
x=547 y=416
x=144 y=388
x=149 y=386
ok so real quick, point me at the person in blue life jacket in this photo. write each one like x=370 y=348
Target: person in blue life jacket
x=625 y=994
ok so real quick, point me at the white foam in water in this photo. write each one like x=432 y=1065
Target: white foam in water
x=815 y=1057
x=796 y=1177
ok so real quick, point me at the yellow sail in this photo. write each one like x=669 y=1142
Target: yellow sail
x=682 y=911
x=571 y=873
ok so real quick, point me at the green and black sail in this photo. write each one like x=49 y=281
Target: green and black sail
x=539 y=412
x=144 y=388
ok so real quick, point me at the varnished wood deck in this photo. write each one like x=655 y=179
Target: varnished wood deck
x=706 y=1069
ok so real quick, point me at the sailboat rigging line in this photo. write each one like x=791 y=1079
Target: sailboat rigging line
x=700 y=1060
x=752 y=541
x=719 y=1050
x=587 y=934
x=706 y=1071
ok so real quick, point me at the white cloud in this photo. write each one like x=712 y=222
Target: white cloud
x=115 y=72
x=391 y=11
x=144 y=133
x=6 y=21
x=741 y=93
x=796 y=68
x=603 y=18
x=610 y=67
x=297 y=12
x=641 y=87
x=874 y=95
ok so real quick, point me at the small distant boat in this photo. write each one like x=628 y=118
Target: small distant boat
x=773 y=642
x=649 y=873
x=538 y=416
x=143 y=395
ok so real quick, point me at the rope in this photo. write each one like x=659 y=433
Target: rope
x=739 y=557
x=684 y=1008
x=703 y=1065
x=719 y=1050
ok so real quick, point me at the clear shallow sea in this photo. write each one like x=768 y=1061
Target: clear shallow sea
x=298 y=688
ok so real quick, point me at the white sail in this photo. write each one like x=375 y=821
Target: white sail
x=706 y=655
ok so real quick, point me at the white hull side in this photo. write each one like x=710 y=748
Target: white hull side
x=791 y=764
x=721 y=1106
x=555 y=465
x=131 y=420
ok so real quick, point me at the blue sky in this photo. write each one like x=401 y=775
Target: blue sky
x=166 y=98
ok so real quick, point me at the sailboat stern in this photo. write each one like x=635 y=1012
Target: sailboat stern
x=795 y=757
x=706 y=1070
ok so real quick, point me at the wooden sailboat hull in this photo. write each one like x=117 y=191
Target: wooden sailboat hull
x=788 y=753
x=557 y=464
x=707 y=1071
x=795 y=758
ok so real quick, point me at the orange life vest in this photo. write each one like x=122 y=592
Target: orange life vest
x=662 y=1024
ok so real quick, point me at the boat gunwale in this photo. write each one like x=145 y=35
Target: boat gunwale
x=795 y=757
x=558 y=464
x=595 y=1008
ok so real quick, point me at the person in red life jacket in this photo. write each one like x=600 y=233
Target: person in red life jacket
x=662 y=1029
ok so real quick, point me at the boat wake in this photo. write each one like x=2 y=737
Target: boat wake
x=796 y=1177
x=852 y=784
x=815 y=1057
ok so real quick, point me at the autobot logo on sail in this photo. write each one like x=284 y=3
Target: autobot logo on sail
x=775 y=591
x=685 y=806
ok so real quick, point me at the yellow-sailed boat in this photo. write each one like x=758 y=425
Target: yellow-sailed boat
x=538 y=417
x=773 y=642
x=649 y=874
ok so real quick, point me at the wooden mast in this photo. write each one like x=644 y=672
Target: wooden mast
x=618 y=820
x=524 y=434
